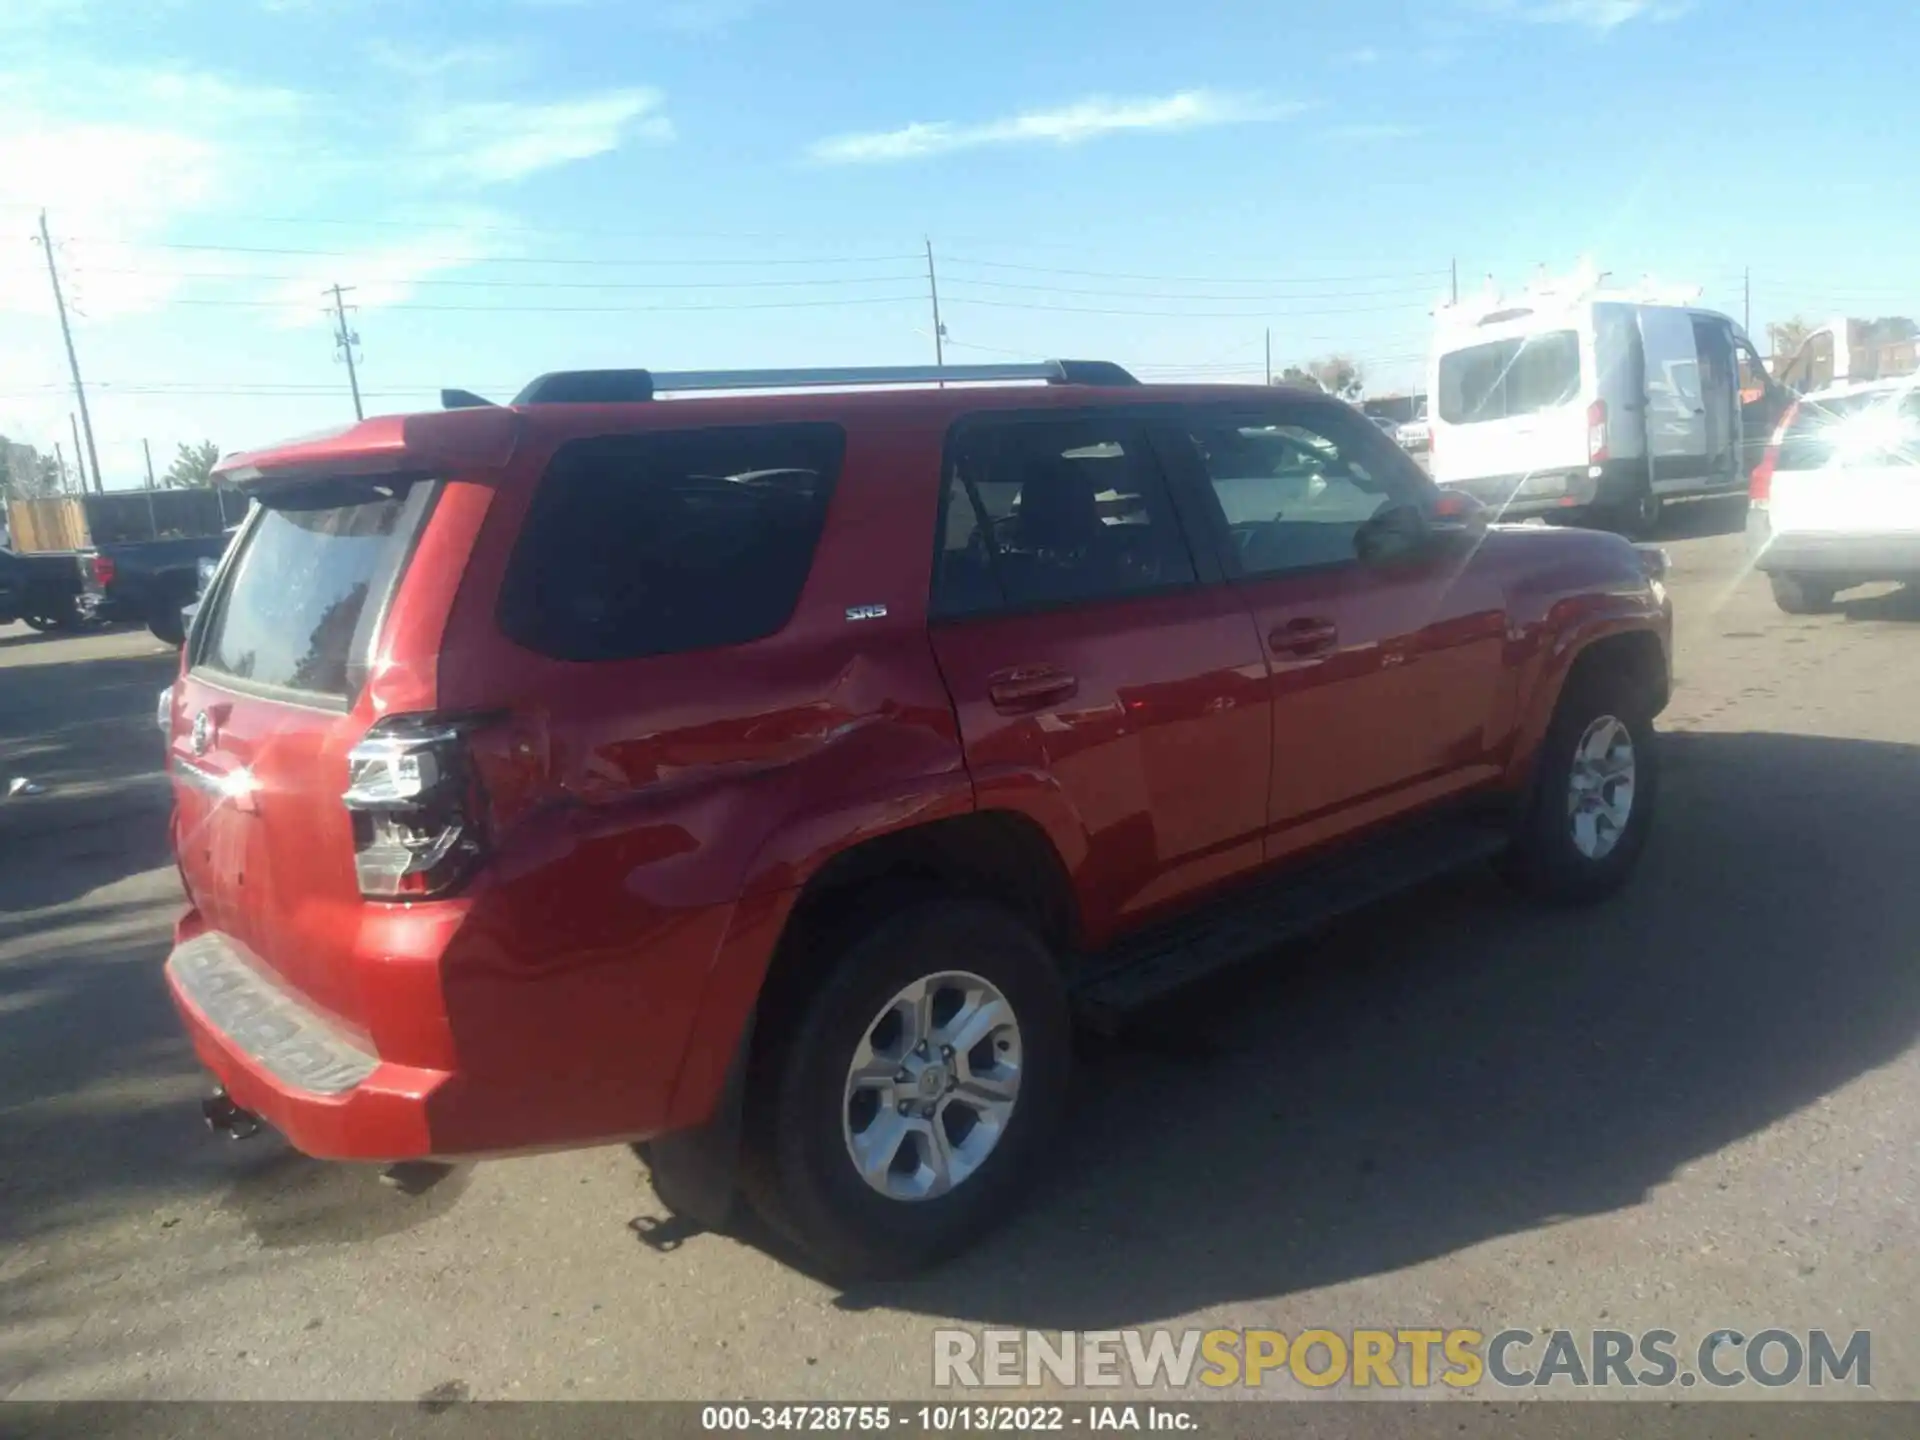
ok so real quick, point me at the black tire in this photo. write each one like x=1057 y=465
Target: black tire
x=61 y=620
x=1544 y=860
x=167 y=625
x=1639 y=516
x=797 y=1171
x=1797 y=595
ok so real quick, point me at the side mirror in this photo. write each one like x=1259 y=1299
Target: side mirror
x=1392 y=534
x=1456 y=512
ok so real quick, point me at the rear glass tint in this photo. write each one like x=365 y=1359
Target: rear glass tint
x=1507 y=378
x=678 y=540
x=311 y=577
x=1874 y=428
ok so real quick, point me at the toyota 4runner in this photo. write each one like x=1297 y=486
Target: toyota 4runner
x=772 y=779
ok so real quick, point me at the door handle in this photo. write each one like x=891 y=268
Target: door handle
x=1305 y=636
x=1028 y=687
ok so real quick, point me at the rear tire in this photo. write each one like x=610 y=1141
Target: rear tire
x=1798 y=595
x=807 y=1112
x=1637 y=518
x=1577 y=843
x=167 y=625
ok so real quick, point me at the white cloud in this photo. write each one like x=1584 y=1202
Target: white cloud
x=1070 y=125
x=390 y=274
x=1601 y=15
x=496 y=141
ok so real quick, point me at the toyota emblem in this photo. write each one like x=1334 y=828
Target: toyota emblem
x=202 y=733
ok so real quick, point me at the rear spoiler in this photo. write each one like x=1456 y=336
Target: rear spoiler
x=435 y=442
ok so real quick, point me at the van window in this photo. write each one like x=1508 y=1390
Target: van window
x=311 y=577
x=676 y=540
x=1506 y=378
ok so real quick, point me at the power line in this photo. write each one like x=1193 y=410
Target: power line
x=1178 y=314
x=523 y=259
x=581 y=309
x=442 y=282
x=1194 y=279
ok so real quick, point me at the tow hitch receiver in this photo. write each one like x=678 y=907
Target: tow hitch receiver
x=223 y=1117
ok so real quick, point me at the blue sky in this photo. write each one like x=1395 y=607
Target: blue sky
x=521 y=185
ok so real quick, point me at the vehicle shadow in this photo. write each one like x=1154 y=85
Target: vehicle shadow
x=1894 y=605
x=1703 y=519
x=82 y=732
x=1463 y=1066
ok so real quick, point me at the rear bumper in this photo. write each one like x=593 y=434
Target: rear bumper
x=1542 y=492
x=327 y=1093
x=1860 y=558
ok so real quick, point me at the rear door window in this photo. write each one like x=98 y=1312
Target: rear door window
x=1503 y=379
x=662 y=542
x=308 y=585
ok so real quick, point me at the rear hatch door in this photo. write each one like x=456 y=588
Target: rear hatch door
x=1507 y=408
x=1850 y=465
x=266 y=712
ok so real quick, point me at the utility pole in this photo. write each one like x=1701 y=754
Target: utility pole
x=939 y=330
x=153 y=519
x=76 y=457
x=73 y=360
x=1455 y=268
x=1269 y=356
x=345 y=340
x=60 y=459
x=149 y=451
x=1746 y=299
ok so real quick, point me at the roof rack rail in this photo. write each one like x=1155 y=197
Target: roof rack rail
x=604 y=387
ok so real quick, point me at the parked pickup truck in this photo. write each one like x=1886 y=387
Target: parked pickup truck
x=42 y=590
x=772 y=779
x=146 y=581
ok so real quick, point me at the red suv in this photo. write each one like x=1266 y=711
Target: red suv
x=774 y=777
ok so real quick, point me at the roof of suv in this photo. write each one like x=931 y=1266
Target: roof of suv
x=483 y=436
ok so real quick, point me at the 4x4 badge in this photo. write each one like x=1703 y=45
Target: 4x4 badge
x=202 y=733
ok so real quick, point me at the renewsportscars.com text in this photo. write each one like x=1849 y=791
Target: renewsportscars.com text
x=1401 y=1358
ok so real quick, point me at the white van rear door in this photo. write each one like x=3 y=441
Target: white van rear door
x=1509 y=407
x=1676 y=414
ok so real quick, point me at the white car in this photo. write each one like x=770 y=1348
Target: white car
x=1836 y=500
x=1416 y=434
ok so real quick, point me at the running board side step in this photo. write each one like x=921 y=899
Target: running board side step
x=1143 y=968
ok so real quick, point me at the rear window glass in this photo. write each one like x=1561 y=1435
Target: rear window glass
x=1506 y=378
x=1877 y=428
x=309 y=581
x=678 y=540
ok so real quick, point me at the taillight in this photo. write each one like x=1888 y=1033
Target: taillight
x=417 y=808
x=103 y=570
x=1760 y=483
x=1597 y=432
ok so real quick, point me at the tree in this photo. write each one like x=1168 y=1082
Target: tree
x=1338 y=375
x=1785 y=337
x=1295 y=376
x=25 y=474
x=192 y=468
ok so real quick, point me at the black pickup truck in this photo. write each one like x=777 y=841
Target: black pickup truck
x=43 y=590
x=146 y=582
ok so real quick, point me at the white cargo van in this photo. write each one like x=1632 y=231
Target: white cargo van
x=1574 y=400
